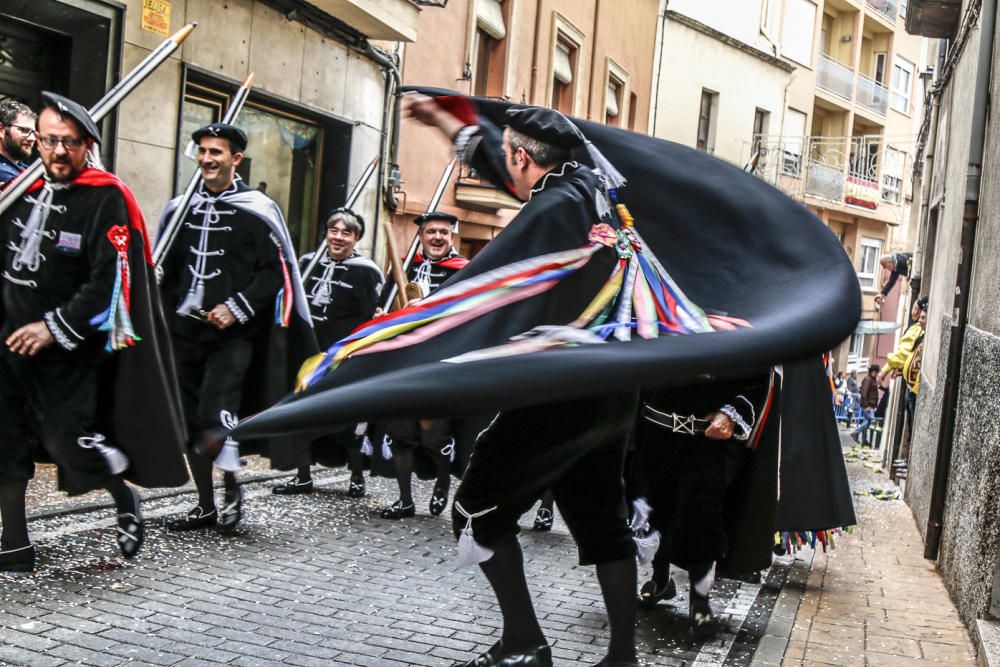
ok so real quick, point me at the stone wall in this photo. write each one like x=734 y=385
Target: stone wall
x=971 y=533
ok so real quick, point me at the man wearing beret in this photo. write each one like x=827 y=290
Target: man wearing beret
x=576 y=448
x=220 y=277
x=81 y=373
x=343 y=292
x=431 y=439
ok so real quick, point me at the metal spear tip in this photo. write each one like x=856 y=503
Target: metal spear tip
x=248 y=81
x=182 y=34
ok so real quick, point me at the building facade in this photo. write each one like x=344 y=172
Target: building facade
x=953 y=479
x=587 y=58
x=819 y=98
x=316 y=115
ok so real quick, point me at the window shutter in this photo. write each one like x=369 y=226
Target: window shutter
x=562 y=68
x=611 y=105
x=489 y=18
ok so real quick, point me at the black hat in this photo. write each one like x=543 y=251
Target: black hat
x=67 y=107
x=356 y=216
x=237 y=137
x=545 y=125
x=438 y=215
x=922 y=303
x=874 y=367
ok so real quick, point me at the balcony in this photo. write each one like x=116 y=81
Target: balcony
x=872 y=95
x=887 y=9
x=477 y=194
x=391 y=20
x=835 y=77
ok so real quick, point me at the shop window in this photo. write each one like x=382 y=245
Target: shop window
x=284 y=157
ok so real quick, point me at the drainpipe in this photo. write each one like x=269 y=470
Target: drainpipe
x=960 y=316
x=389 y=62
x=659 y=65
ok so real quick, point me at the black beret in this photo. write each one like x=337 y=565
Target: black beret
x=67 y=107
x=545 y=125
x=356 y=216
x=922 y=303
x=237 y=137
x=437 y=215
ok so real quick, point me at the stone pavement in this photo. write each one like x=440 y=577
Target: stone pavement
x=321 y=580
x=874 y=599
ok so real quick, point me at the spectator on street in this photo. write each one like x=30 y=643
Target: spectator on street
x=852 y=383
x=869 y=401
x=897 y=264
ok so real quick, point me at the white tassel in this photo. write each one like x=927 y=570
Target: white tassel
x=94 y=158
x=611 y=177
x=361 y=428
x=367 y=448
x=115 y=458
x=229 y=458
x=640 y=515
x=469 y=551
x=193 y=300
x=704 y=587
x=602 y=203
x=387 y=448
x=646 y=546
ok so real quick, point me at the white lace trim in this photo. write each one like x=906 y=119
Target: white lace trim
x=61 y=338
x=553 y=174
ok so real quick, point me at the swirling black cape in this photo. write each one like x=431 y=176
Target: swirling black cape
x=733 y=243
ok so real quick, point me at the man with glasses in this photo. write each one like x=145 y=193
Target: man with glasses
x=17 y=139
x=343 y=292
x=79 y=325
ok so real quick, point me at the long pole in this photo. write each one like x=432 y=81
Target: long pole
x=431 y=206
x=351 y=199
x=169 y=232
x=16 y=188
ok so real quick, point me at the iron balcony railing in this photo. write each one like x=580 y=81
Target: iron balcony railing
x=835 y=77
x=872 y=95
x=887 y=9
x=858 y=170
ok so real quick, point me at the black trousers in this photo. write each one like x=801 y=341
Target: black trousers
x=574 y=448
x=685 y=480
x=431 y=435
x=50 y=400
x=211 y=377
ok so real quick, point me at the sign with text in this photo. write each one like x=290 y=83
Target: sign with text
x=156 y=16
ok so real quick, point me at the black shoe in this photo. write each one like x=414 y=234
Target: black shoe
x=293 y=487
x=356 y=487
x=543 y=519
x=700 y=614
x=130 y=529
x=21 y=559
x=651 y=593
x=540 y=656
x=232 y=511
x=195 y=519
x=397 y=511
x=439 y=500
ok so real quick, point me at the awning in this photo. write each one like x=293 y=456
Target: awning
x=875 y=327
x=611 y=100
x=562 y=67
x=489 y=18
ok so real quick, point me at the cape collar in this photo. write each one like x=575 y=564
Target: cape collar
x=554 y=173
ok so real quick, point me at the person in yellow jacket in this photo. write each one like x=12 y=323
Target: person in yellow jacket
x=906 y=359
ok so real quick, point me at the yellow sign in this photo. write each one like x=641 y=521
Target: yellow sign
x=156 y=16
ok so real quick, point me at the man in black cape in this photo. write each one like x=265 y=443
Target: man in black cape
x=85 y=366
x=734 y=244
x=230 y=272
x=426 y=447
x=343 y=292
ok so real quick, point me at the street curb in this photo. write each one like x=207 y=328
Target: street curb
x=70 y=507
x=771 y=647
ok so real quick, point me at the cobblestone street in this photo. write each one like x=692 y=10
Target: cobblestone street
x=320 y=580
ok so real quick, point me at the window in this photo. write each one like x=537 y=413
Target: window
x=892 y=175
x=706 y=121
x=793 y=137
x=878 y=73
x=798 y=30
x=857 y=345
x=902 y=84
x=285 y=152
x=563 y=66
x=613 y=102
x=902 y=7
x=490 y=31
x=760 y=122
x=871 y=250
x=633 y=109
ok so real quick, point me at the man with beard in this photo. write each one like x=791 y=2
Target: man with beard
x=17 y=139
x=220 y=280
x=76 y=268
x=343 y=292
x=436 y=262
